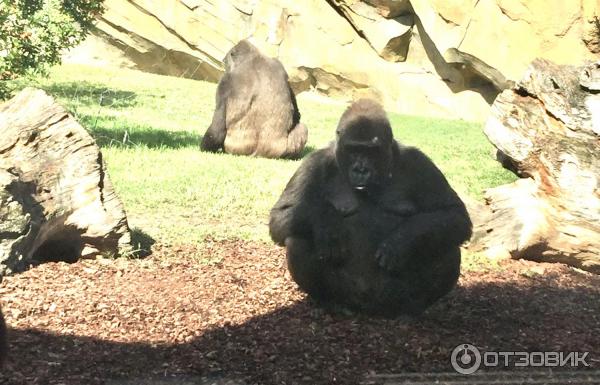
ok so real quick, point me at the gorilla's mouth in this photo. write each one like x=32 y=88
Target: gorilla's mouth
x=360 y=187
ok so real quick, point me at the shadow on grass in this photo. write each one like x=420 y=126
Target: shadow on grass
x=299 y=344
x=144 y=136
x=112 y=131
x=90 y=94
x=141 y=242
x=305 y=151
x=108 y=131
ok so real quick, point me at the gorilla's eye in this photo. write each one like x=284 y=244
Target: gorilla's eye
x=364 y=148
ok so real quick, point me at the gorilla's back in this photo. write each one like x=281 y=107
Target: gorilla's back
x=260 y=111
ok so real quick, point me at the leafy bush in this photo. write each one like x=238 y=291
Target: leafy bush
x=34 y=32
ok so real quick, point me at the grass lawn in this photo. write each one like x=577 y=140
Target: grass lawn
x=149 y=128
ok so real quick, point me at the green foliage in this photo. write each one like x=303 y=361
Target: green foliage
x=34 y=32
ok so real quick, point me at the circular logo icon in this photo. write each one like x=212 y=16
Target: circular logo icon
x=466 y=359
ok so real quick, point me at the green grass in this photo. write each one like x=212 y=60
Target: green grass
x=149 y=128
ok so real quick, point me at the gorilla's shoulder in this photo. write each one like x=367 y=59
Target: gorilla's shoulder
x=320 y=162
x=275 y=67
x=416 y=163
x=410 y=153
x=321 y=154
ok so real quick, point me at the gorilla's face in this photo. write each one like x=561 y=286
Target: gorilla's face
x=364 y=152
x=241 y=52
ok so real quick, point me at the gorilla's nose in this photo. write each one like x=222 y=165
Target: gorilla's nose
x=360 y=169
x=360 y=175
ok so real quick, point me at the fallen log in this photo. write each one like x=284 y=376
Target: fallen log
x=547 y=130
x=56 y=200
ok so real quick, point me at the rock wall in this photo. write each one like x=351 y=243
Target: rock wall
x=429 y=57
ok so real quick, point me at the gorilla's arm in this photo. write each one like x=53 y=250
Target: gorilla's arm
x=215 y=134
x=305 y=212
x=441 y=221
x=294 y=212
x=296 y=114
x=297 y=133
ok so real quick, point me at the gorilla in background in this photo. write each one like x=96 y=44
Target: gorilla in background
x=369 y=223
x=256 y=111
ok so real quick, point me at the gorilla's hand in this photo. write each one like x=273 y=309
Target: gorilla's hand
x=392 y=254
x=330 y=243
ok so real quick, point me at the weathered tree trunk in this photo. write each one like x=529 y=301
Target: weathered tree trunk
x=547 y=130
x=56 y=201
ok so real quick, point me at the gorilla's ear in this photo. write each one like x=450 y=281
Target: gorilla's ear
x=342 y=198
x=337 y=136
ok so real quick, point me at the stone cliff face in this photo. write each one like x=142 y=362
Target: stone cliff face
x=430 y=57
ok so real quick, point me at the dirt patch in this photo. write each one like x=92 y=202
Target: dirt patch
x=227 y=312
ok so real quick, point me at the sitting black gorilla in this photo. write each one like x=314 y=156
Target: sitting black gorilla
x=369 y=223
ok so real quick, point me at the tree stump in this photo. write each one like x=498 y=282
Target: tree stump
x=547 y=130
x=56 y=200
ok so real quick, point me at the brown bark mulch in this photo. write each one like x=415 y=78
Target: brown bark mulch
x=227 y=310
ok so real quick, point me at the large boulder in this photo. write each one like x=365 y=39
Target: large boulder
x=383 y=58
x=429 y=57
x=547 y=130
x=56 y=200
x=508 y=34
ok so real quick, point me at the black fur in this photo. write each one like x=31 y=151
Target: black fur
x=369 y=223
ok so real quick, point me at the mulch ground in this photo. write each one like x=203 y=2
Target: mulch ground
x=229 y=311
